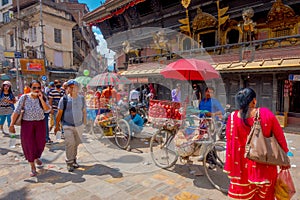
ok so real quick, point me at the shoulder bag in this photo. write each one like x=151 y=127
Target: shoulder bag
x=263 y=149
x=20 y=116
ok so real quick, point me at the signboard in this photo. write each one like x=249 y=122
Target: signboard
x=18 y=54
x=294 y=77
x=9 y=54
x=12 y=54
x=44 y=78
x=32 y=66
x=139 y=80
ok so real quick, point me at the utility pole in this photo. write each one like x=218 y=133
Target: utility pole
x=42 y=32
x=18 y=44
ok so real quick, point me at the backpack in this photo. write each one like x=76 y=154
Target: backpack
x=65 y=102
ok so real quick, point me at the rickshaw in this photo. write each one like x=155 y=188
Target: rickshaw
x=111 y=124
x=165 y=151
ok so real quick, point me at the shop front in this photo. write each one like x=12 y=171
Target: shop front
x=277 y=86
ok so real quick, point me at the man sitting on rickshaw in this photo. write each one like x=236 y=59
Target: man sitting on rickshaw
x=135 y=121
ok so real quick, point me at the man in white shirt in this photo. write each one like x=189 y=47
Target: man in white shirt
x=134 y=95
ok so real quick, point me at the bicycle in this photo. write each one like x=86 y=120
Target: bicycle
x=112 y=125
x=164 y=153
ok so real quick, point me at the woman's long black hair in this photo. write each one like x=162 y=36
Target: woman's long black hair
x=36 y=81
x=242 y=100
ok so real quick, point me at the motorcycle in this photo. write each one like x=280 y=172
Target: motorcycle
x=221 y=129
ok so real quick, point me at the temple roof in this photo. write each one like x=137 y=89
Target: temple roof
x=109 y=9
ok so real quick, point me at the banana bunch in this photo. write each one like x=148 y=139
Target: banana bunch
x=281 y=190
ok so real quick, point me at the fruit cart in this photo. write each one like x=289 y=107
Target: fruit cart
x=162 y=111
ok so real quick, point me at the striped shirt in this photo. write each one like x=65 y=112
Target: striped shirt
x=55 y=95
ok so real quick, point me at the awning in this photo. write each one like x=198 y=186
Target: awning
x=144 y=69
x=59 y=70
x=259 y=66
x=63 y=72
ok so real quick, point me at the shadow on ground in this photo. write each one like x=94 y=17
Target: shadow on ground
x=54 y=177
x=16 y=194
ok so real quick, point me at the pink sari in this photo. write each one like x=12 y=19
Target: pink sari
x=251 y=180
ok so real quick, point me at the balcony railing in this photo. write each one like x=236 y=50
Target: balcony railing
x=266 y=45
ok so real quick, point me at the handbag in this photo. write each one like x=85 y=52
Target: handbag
x=20 y=116
x=263 y=149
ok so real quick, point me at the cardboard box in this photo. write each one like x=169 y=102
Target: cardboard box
x=282 y=118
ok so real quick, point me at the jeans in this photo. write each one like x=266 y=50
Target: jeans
x=3 y=117
x=133 y=127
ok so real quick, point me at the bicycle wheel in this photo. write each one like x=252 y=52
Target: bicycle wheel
x=97 y=131
x=214 y=160
x=162 y=148
x=122 y=134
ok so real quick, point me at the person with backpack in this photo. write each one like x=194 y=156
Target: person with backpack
x=72 y=114
x=7 y=100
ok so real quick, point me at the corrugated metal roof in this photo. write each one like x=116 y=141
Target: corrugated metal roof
x=150 y=68
x=264 y=65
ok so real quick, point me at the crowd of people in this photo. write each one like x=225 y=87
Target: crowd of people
x=67 y=106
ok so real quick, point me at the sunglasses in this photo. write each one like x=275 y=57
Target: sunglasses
x=36 y=88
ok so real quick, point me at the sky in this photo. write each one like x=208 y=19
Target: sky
x=102 y=47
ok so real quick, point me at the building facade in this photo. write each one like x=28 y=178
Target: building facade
x=250 y=43
x=53 y=32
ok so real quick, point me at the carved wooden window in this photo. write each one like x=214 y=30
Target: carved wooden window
x=115 y=22
x=208 y=39
x=232 y=36
x=281 y=33
x=145 y=8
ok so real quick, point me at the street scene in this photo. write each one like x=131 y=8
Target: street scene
x=149 y=99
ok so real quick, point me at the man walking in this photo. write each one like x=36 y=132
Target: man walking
x=54 y=97
x=72 y=114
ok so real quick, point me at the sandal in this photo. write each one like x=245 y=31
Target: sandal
x=33 y=174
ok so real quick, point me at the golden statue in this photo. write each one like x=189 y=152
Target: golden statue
x=160 y=41
x=247 y=29
x=128 y=50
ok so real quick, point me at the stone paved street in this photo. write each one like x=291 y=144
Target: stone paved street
x=107 y=172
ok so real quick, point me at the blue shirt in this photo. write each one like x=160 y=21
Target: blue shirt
x=138 y=120
x=73 y=114
x=212 y=105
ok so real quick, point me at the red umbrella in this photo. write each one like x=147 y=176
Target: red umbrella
x=190 y=69
x=108 y=78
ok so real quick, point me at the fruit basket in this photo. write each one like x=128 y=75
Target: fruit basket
x=162 y=111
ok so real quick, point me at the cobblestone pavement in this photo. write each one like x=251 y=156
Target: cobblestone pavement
x=107 y=172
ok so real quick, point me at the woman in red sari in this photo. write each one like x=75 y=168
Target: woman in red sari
x=249 y=179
